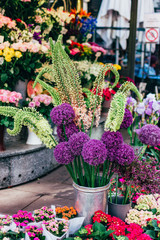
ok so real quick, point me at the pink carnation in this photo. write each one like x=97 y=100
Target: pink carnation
x=74 y=51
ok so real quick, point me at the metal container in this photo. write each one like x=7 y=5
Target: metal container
x=118 y=210
x=89 y=200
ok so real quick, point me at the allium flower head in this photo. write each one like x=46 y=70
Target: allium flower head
x=124 y=154
x=127 y=119
x=70 y=129
x=63 y=154
x=112 y=139
x=62 y=114
x=149 y=135
x=76 y=142
x=94 y=152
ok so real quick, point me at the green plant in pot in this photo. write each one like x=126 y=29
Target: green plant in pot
x=81 y=155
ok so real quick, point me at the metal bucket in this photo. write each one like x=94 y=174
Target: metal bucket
x=118 y=210
x=89 y=200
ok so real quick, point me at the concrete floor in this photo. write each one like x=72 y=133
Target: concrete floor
x=53 y=189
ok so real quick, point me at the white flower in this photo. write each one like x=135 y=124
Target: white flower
x=6 y=238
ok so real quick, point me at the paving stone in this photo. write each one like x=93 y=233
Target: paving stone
x=13 y=200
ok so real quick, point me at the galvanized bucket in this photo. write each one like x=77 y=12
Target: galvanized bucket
x=118 y=210
x=89 y=200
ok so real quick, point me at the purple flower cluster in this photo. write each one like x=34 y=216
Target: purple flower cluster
x=144 y=174
x=127 y=120
x=62 y=114
x=76 y=142
x=124 y=154
x=70 y=129
x=112 y=139
x=94 y=152
x=149 y=134
x=63 y=154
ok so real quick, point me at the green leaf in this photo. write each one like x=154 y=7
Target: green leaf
x=16 y=70
x=98 y=227
x=4 y=77
x=151 y=233
x=154 y=210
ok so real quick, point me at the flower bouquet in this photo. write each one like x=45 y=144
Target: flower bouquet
x=11 y=234
x=55 y=229
x=71 y=215
x=34 y=233
x=43 y=213
x=22 y=218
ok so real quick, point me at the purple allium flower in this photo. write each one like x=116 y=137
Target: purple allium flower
x=127 y=119
x=94 y=152
x=63 y=154
x=62 y=114
x=76 y=142
x=111 y=154
x=124 y=154
x=111 y=139
x=69 y=130
x=149 y=135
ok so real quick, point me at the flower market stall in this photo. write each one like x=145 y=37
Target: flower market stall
x=116 y=184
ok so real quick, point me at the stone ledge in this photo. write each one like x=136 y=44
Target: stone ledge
x=21 y=163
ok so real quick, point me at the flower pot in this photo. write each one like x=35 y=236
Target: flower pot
x=33 y=139
x=2 y=130
x=118 y=210
x=89 y=200
x=21 y=86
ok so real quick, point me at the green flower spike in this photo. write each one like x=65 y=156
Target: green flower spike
x=117 y=108
x=31 y=118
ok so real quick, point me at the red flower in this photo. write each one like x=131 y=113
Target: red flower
x=107 y=93
x=18 y=20
x=89 y=228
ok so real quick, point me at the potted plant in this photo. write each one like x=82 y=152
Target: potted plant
x=33 y=232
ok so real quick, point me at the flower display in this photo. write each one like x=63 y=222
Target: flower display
x=7 y=234
x=149 y=135
x=43 y=213
x=34 y=232
x=94 y=152
x=22 y=218
x=66 y=212
x=7 y=97
x=76 y=142
x=57 y=227
x=63 y=154
x=127 y=120
x=62 y=114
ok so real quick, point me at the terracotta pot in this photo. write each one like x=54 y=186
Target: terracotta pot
x=2 y=129
x=106 y=106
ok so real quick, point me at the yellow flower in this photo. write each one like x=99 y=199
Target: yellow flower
x=8 y=58
x=18 y=54
x=6 y=51
x=11 y=52
x=118 y=67
x=1 y=53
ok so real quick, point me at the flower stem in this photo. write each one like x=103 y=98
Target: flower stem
x=93 y=176
x=116 y=189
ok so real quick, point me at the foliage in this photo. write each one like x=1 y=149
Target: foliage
x=31 y=118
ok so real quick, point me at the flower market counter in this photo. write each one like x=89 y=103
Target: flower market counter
x=21 y=163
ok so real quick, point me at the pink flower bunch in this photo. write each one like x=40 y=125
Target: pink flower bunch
x=98 y=49
x=25 y=0
x=6 y=21
x=57 y=227
x=34 y=232
x=33 y=47
x=22 y=218
x=43 y=213
x=5 y=220
x=7 y=96
x=41 y=98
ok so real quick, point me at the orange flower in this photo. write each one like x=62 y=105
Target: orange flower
x=83 y=13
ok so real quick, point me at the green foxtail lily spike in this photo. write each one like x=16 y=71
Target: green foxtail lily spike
x=117 y=108
x=31 y=118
